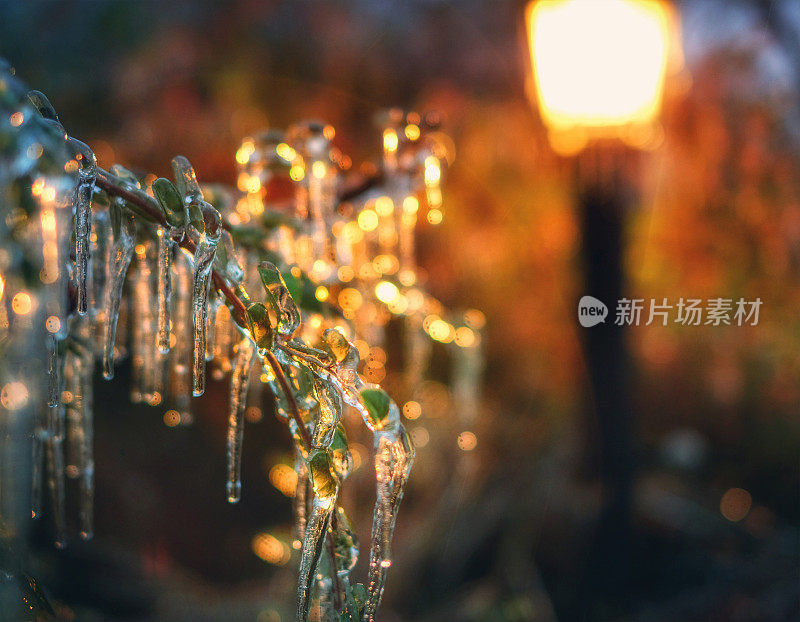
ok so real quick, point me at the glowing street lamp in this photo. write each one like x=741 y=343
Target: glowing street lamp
x=598 y=73
x=599 y=68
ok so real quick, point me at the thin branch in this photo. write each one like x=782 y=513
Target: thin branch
x=149 y=206
x=278 y=371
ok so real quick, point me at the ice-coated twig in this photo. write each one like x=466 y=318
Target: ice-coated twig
x=238 y=402
x=87 y=174
x=121 y=254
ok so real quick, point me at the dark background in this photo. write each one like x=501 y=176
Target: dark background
x=509 y=531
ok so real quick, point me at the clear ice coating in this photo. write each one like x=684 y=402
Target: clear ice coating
x=203 y=262
x=121 y=254
x=102 y=242
x=329 y=411
x=325 y=484
x=164 y=289
x=393 y=457
x=288 y=314
x=320 y=381
x=205 y=230
x=87 y=174
x=237 y=404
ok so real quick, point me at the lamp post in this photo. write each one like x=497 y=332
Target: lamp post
x=598 y=74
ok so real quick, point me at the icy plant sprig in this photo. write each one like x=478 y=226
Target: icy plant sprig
x=311 y=384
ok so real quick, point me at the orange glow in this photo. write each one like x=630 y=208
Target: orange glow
x=412 y=131
x=172 y=418
x=598 y=66
x=435 y=216
x=270 y=549
x=368 y=220
x=390 y=140
x=284 y=478
x=52 y=324
x=412 y=410
x=384 y=206
x=14 y=395
x=735 y=504
x=467 y=441
x=22 y=303
x=386 y=291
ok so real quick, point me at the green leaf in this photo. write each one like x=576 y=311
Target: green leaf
x=125 y=175
x=258 y=321
x=377 y=402
x=42 y=104
x=322 y=477
x=196 y=217
x=170 y=201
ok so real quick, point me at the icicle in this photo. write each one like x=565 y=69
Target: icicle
x=393 y=457
x=182 y=352
x=238 y=401
x=211 y=326
x=300 y=500
x=121 y=254
x=52 y=438
x=37 y=463
x=87 y=450
x=205 y=229
x=203 y=260
x=326 y=489
x=164 y=288
x=54 y=453
x=80 y=427
x=143 y=350
x=83 y=219
x=345 y=555
x=53 y=375
x=101 y=245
